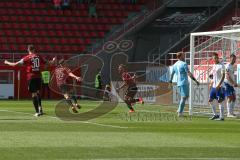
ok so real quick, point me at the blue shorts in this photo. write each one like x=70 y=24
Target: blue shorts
x=183 y=90
x=219 y=95
x=229 y=90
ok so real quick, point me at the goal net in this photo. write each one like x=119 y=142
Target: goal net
x=202 y=47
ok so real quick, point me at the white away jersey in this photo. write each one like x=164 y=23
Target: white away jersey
x=230 y=72
x=217 y=71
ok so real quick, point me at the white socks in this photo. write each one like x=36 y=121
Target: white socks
x=221 y=109
x=213 y=108
x=230 y=107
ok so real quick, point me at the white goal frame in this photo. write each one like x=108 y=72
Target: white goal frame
x=192 y=56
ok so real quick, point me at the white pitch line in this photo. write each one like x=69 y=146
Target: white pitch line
x=152 y=111
x=85 y=122
x=3 y=110
x=104 y=125
x=165 y=158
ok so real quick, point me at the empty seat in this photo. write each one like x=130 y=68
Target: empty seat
x=24 y=22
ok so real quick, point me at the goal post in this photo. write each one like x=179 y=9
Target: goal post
x=202 y=46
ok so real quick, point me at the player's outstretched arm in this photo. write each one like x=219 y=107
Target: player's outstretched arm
x=51 y=62
x=13 y=63
x=75 y=77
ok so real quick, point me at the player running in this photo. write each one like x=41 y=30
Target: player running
x=217 y=89
x=131 y=91
x=33 y=62
x=62 y=73
x=230 y=83
x=181 y=69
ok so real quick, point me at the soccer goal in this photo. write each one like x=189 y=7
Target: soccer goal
x=202 y=47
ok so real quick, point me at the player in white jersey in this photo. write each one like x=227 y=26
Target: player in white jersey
x=230 y=83
x=217 y=91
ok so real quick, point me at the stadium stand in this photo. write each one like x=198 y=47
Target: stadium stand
x=58 y=31
x=186 y=17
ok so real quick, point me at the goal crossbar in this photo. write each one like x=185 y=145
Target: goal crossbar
x=215 y=32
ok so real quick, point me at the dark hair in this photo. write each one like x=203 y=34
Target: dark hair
x=215 y=55
x=232 y=55
x=31 y=48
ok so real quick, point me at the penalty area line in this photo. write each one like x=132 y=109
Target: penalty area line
x=104 y=125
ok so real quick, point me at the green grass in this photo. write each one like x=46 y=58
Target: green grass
x=150 y=133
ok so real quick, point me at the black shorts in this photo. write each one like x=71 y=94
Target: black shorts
x=131 y=91
x=64 y=89
x=34 y=85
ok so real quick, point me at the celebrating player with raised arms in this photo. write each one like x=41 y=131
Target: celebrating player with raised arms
x=33 y=62
x=61 y=74
x=217 y=89
x=131 y=91
x=230 y=83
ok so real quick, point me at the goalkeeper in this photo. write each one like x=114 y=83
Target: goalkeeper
x=181 y=69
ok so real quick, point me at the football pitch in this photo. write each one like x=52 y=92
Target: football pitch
x=153 y=132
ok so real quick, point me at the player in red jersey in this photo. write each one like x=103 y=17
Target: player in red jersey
x=130 y=82
x=61 y=74
x=33 y=62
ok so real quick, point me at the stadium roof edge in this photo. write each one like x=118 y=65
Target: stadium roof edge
x=197 y=3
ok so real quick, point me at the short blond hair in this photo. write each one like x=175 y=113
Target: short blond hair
x=179 y=55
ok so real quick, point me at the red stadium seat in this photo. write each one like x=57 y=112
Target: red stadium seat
x=64 y=31
x=11 y=39
x=8 y=32
x=87 y=41
x=48 y=48
x=63 y=41
x=51 y=33
x=39 y=40
x=79 y=41
x=93 y=34
x=54 y=40
x=72 y=41
x=47 y=40
x=83 y=27
x=13 y=47
x=26 y=33
x=20 y=40
x=22 y=47
x=101 y=34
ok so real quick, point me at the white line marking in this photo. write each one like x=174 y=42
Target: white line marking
x=85 y=122
x=154 y=111
x=166 y=158
x=104 y=125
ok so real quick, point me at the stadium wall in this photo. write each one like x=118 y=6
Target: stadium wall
x=21 y=85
